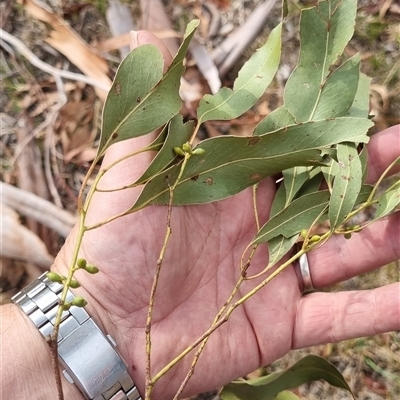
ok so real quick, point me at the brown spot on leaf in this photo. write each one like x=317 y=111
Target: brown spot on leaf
x=138 y=100
x=256 y=176
x=208 y=181
x=117 y=88
x=115 y=135
x=195 y=177
x=253 y=140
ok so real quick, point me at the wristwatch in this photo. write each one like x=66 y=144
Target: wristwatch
x=89 y=357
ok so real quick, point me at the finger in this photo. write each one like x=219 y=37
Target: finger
x=128 y=171
x=143 y=37
x=340 y=259
x=331 y=317
x=383 y=148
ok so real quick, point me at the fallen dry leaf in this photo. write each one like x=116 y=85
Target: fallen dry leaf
x=74 y=126
x=154 y=18
x=117 y=42
x=69 y=43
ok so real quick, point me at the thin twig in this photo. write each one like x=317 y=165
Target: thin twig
x=48 y=143
x=204 y=342
x=53 y=344
x=149 y=382
x=57 y=73
x=226 y=316
x=228 y=301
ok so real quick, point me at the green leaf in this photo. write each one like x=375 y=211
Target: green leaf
x=133 y=82
x=278 y=204
x=339 y=90
x=364 y=162
x=231 y=164
x=308 y=369
x=252 y=81
x=347 y=184
x=299 y=214
x=324 y=32
x=360 y=106
x=286 y=395
x=293 y=179
x=330 y=172
x=178 y=133
x=313 y=184
x=141 y=99
x=279 y=246
x=275 y=120
x=388 y=201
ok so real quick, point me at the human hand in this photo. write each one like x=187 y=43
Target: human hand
x=201 y=267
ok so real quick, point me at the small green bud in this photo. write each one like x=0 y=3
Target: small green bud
x=304 y=233
x=187 y=148
x=74 y=284
x=347 y=235
x=179 y=151
x=54 y=277
x=78 y=301
x=198 y=152
x=81 y=263
x=66 y=306
x=315 y=238
x=91 y=269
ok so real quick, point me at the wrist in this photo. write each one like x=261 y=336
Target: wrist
x=26 y=368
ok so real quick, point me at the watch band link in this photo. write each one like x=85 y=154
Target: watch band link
x=90 y=359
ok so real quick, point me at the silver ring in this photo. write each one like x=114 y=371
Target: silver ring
x=305 y=274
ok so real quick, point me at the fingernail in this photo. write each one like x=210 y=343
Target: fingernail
x=134 y=40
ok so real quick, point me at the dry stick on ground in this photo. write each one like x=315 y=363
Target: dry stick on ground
x=231 y=49
x=48 y=150
x=22 y=49
x=35 y=207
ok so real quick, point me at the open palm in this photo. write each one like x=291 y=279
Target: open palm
x=201 y=267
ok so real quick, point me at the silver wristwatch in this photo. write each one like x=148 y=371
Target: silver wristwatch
x=90 y=358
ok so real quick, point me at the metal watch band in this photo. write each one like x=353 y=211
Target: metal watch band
x=89 y=357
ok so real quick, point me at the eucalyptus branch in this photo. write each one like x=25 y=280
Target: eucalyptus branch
x=103 y=171
x=228 y=301
x=56 y=368
x=187 y=153
x=216 y=318
x=194 y=134
x=254 y=194
x=75 y=264
x=67 y=283
x=224 y=318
